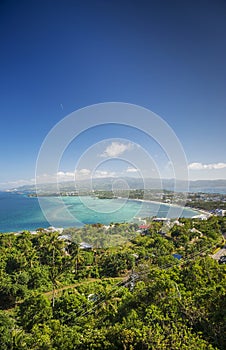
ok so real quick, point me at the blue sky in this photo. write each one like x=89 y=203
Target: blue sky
x=61 y=55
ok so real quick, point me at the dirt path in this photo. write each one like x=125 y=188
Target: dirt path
x=74 y=285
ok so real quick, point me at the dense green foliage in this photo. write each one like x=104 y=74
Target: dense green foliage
x=207 y=201
x=137 y=295
x=207 y=205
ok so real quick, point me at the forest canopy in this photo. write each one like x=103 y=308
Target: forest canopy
x=154 y=289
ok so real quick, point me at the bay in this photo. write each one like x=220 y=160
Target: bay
x=19 y=212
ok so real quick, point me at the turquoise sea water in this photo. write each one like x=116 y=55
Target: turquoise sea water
x=19 y=212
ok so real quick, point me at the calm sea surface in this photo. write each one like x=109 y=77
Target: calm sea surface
x=19 y=212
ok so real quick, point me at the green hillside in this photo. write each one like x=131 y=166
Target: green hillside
x=154 y=287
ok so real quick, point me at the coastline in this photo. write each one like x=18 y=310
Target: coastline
x=172 y=205
x=27 y=214
x=202 y=211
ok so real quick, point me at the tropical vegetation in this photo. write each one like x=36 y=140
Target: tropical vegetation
x=156 y=287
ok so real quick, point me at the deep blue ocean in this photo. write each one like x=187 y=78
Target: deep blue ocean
x=19 y=212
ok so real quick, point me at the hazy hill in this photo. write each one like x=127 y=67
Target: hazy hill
x=133 y=183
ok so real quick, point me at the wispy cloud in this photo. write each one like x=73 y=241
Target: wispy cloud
x=211 y=166
x=115 y=149
x=132 y=170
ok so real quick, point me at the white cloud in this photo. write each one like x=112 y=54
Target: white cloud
x=16 y=183
x=65 y=174
x=116 y=148
x=201 y=166
x=61 y=176
x=103 y=174
x=132 y=170
x=84 y=172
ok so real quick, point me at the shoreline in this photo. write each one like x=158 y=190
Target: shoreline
x=171 y=205
x=136 y=200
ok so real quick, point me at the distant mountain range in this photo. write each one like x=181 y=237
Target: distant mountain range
x=106 y=184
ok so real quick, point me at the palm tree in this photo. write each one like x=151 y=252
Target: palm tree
x=75 y=254
x=52 y=254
